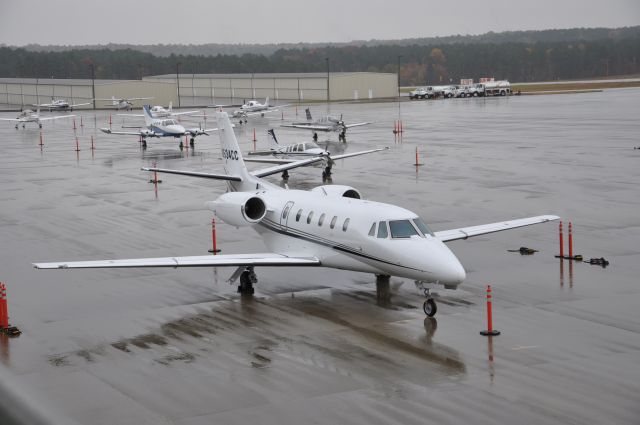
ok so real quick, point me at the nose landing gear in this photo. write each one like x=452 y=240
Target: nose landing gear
x=429 y=306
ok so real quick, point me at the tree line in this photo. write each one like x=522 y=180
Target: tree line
x=419 y=64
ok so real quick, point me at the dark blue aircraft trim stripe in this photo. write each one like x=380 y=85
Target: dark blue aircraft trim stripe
x=273 y=226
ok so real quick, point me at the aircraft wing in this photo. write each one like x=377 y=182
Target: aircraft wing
x=358 y=124
x=137 y=98
x=11 y=119
x=349 y=155
x=287 y=166
x=177 y=114
x=194 y=174
x=126 y=133
x=467 y=232
x=264 y=259
x=270 y=160
x=56 y=117
x=309 y=127
x=130 y=115
x=80 y=104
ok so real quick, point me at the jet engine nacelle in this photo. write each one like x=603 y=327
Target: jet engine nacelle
x=338 y=191
x=239 y=208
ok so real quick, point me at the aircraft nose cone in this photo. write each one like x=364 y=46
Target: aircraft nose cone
x=450 y=271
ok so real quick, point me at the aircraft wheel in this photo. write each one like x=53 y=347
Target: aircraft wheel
x=181 y=145
x=246 y=283
x=192 y=142
x=429 y=307
x=39 y=125
x=144 y=144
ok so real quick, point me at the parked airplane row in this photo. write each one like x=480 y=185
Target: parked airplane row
x=327 y=226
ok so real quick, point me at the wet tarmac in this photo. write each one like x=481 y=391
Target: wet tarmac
x=327 y=346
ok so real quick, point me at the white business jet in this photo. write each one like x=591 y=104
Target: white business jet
x=159 y=111
x=327 y=123
x=61 y=105
x=328 y=226
x=286 y=154
x=29 y=116
x=123 y=103
x=161 y=127
x=253 y=107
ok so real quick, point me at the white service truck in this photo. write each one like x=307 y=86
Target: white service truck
x=493 y=88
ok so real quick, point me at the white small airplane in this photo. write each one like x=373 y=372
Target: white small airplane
x=284 y=154
x=327 y=123
x=328 y=226
x=161 y=127
x=61 y=105
x=29 y=116
x=123 y=103
x=159 y=111
x=253 y=107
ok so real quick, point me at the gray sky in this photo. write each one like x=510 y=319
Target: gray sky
x=255 y=21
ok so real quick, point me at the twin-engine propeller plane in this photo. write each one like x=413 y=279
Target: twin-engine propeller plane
x=61 y=105
x=123 y=103
x=286 y=154
x=29 y=116
x=326 y=124
x=161 y=127
x=328 y=226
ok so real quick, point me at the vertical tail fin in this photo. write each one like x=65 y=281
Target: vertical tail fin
x=273 y=141
x=266 y=101
x=170 y=106
x=148 y=118
x=232 y=155
x=308 y=112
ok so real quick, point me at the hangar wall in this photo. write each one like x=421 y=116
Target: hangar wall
x=201 y=89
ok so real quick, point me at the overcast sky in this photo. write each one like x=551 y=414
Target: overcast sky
x=284 y=21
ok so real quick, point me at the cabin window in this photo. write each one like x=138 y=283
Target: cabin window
x=422 y=226
x=321 y=219
x=372 y=231
x=285 y=212
x=346 y=224
x=383 y=233
x=402 y=229
x=333 y=221
x=299 y=214
x=309 y=217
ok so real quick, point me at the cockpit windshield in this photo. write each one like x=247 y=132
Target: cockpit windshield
x=402 y=229
x=422 y=226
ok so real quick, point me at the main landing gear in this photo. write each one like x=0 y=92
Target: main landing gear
x=429 y=306
x=192 y=142
x=285 y=175
x=343 y=136
x=247 y=279
x=315 y=136
x=144 y=143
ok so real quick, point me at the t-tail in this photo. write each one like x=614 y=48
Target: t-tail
x=273 y=141
x=232 y=156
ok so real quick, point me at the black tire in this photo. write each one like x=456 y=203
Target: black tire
x=429 y=307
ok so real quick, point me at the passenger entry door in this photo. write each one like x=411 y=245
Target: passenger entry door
x=286 y=212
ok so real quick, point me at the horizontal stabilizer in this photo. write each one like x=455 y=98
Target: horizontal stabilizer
x=467 y=232
x=266 y=259
x=194 y=174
